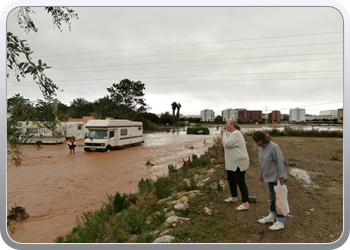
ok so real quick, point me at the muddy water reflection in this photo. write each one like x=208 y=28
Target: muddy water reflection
x=55 y=186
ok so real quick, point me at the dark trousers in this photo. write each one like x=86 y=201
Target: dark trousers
x=237 y=178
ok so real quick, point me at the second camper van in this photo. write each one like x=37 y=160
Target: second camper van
x=76 y=129
x=111 y=134
x=39 y=134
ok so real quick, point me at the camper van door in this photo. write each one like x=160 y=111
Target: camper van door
x=112 y=138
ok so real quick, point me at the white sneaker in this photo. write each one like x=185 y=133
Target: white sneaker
x=266 y=220
x=277 y=226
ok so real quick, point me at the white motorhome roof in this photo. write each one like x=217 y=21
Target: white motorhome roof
x=112 y=123
x=74 y=123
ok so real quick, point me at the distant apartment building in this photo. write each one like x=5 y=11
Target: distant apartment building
x=274 y=116
x=207 y=115
x=250 y=115
x=327 y=115
x=329 y=112
x=297 y=115
x=229 y=114
x=340 y=116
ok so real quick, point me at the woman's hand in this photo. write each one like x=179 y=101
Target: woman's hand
x=281 y=180
x=261 y=178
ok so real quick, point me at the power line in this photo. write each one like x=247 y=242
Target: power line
x=199 y=52
x=203 y=60
x=205 y=65
x=232 y=74
x=191 y=44
x=199 y=81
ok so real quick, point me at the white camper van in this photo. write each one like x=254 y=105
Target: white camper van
x=41 y=135
x=112 y=134
x=76 y=129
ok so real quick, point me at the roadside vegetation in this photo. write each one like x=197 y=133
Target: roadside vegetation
x=288 y=131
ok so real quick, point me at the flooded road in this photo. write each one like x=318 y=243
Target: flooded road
x=55 y=186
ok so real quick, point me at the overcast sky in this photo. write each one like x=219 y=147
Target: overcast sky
x=258 y=58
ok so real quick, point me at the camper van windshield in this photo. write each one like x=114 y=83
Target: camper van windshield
x=98 y=134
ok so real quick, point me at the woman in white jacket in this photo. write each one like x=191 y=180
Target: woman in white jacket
x=236 y=162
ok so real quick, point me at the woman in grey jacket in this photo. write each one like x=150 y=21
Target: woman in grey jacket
x=236 y=162
x=272 y=169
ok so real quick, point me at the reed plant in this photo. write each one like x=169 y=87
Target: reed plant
x=301 y=132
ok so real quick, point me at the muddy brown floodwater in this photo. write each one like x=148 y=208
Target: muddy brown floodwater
x=55 y=186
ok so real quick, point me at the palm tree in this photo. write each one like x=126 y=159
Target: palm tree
x=178 y=112
x=174 y=107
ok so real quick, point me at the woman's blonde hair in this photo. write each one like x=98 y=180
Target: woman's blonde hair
x=261 y=136
x=234 y=123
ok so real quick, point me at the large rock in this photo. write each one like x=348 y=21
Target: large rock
x=171 y=213
x=252 y=199
x=207 y=211
x=214 y=186
x=172 y=220
x=164 y=239
x=181 y=206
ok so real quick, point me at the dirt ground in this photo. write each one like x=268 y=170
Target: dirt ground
x=316 y=204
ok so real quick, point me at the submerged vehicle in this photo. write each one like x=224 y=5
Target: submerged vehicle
x=111 y=134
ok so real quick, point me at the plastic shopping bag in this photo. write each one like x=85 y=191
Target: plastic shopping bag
x=282 y=206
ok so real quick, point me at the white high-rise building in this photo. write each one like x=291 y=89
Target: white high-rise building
x=207 y=115
x=297 y=115
x=328 y=114
x=229 y=113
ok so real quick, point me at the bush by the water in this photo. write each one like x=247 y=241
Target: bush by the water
x=198 y=130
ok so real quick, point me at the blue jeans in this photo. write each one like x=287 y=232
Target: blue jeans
x=280 y=217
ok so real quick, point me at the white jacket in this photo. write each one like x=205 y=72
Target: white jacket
x=236 y=154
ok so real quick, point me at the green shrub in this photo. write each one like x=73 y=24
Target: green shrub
x=119 y=202
x=131 y=220
x=162 y=189
x=172 y=168
x=145 y=186
x=198 y=130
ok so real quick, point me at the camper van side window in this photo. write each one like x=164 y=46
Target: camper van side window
x=32 y=130
x=111 y=134
x=140 y=128
x=19 y=124
x=79 y=127
x=123 y=131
